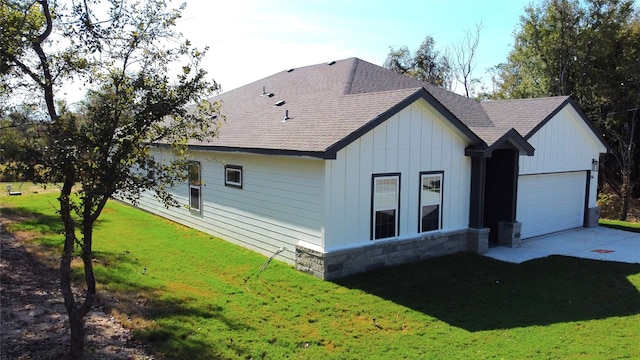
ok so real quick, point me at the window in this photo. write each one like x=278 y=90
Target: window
x=151 y=168
x=385 y=206
x=233 y=176
x=430 y=201
x=195 y=185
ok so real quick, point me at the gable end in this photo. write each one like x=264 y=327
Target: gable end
x=421 y=93
x=581 y=114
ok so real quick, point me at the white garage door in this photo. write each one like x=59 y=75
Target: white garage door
x=550 y=202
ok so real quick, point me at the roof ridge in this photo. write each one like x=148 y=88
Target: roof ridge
x=352 y=75
x=527 y=99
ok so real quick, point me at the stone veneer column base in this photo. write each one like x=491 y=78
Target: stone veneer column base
x=479 y=240
x=593 y=217
x=509 y=234
x=384 y=253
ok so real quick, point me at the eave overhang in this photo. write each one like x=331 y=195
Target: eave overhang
x=510 y=140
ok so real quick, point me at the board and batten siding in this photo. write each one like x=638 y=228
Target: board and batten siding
x=415 y=139
x=564 y=144
x=280 y=202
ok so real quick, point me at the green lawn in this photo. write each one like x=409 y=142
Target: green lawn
x=619 y=224
x=201 y=298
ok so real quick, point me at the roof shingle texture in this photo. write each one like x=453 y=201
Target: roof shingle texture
x=328 y=102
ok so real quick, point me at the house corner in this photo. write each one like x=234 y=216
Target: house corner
x=592 y=217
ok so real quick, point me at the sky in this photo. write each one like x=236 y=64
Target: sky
x=249 y=40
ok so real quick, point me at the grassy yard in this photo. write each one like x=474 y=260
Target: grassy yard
x=192 y=296
x=623 y=225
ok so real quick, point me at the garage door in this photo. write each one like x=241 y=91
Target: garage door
x=549 y=203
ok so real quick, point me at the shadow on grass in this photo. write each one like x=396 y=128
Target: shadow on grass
x=170 y=324
x=172 y=330
x=179 y=334
x=477 y=293
x=44 y=224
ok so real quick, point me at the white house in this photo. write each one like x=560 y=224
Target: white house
x=348 y=166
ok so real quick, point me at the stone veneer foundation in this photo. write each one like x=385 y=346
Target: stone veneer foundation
x=384 y=253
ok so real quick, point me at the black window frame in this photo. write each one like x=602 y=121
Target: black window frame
x=374 y=213
x=233 y=168
x=421 y=220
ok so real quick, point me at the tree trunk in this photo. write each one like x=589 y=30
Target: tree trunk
x=76 y=320
x=627 y=169
x=76 y=315
x=626 y=196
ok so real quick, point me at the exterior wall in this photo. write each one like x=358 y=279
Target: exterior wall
x=415 y=139
x=320 y=211
x=279 y=205
x=565 y=143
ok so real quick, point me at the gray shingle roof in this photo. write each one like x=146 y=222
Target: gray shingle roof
x=524 y=115
x=329 y=104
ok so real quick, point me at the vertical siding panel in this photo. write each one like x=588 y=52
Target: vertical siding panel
x=565 y=143
x=426 y=141
x=392 y=144
x=403 y=162
x=339 y=190
x=379 y=151
x=351 y=194
x=329 y=230
x=564 y=152
x=547 y=141
x=437 y=136
x=416 y=155
x=364 y=189
x=409 y=142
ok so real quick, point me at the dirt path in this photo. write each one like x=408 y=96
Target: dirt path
x=33 y=320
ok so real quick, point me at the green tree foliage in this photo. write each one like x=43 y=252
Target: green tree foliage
x=18 y=132
x=125 y=53
x=591 y=50
x=426 y=64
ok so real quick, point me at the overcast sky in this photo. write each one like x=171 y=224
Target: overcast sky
x=251 y=39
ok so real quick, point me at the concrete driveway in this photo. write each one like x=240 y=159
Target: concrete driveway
x=599 y=243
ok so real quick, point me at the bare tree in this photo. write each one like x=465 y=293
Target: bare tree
x=464 y=59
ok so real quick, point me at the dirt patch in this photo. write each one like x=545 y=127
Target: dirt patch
x=33 y=318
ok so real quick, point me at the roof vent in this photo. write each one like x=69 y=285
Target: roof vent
x=290 y=70
x=265 y=93
x=286 y=116
x=279 y=103
x=331 y=62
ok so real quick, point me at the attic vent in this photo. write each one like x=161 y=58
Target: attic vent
x=286 y=116
x=331 y=62
x=265 y=93
x=290 y=70
x=279 y=103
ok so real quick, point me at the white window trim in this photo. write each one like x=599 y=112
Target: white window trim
x=197 y=187
x=232 y=168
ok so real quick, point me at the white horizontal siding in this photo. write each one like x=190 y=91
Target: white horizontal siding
x=414 y=140
x=279 y=204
